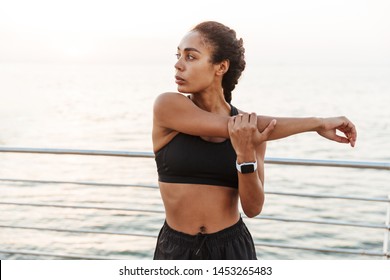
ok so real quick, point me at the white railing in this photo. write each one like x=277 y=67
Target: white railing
x=328 y=163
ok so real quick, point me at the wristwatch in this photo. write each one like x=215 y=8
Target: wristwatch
x=246 y=167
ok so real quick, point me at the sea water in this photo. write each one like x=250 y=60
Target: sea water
x=109 y=107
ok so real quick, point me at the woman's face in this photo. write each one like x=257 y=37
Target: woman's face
x=194 y=70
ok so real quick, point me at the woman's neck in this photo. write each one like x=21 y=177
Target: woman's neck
x=212 y=102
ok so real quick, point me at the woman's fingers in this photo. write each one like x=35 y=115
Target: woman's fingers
x=245 y=125
x=268 y=130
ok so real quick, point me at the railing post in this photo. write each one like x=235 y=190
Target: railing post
x=386 y=241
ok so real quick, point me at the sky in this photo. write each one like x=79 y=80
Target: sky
x=125 y=31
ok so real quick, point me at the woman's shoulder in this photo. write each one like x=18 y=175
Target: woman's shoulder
x=169 y=96
x=170 y=101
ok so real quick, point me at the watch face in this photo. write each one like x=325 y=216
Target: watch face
x=250 y=168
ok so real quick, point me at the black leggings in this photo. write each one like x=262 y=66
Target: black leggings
x=232 y=243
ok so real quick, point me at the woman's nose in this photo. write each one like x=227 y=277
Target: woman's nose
x=179 y=65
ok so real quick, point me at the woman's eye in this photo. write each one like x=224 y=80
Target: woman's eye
x=188 y=56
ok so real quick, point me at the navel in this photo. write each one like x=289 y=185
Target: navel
x=202 y=229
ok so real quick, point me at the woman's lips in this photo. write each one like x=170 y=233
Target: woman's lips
x=179 y=80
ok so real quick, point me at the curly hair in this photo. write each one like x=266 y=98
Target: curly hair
x=225 y=46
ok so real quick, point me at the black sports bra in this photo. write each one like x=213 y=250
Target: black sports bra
x=189 y=159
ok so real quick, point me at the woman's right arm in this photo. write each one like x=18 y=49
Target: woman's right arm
x=173 y=112
x=176 y=112
x=326 y=127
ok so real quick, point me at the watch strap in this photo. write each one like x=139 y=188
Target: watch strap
x=246 y=167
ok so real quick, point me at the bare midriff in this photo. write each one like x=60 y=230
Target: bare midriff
x=192 y=208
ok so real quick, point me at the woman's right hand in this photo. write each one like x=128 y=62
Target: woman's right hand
x=330 y=126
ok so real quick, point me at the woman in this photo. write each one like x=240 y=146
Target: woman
x=210 y=155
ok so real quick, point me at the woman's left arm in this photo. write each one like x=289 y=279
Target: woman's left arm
x=249 y=145
x=251 y=186
x=326 y=127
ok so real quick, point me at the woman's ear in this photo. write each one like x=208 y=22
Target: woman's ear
x=223 y=67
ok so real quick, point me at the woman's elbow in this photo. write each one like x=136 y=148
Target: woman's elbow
x=253 y=211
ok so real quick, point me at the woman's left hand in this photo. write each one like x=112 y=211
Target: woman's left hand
x=245 y=136
x=331 y=125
